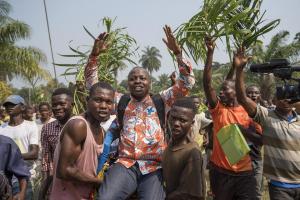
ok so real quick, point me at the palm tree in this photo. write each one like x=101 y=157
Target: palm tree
x=162 y=83
x=277 y=48
x=150 y=59
x=15 y=60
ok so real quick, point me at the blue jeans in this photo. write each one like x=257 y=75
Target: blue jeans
x=120 y=182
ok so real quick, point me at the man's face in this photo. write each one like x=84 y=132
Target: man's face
x=45 y=112
x=101 y=103
x=28 y=114
x=253 y=93
x=14 y=109
x=180 y=121
x=283 y=106
x=62 y=107
x=196 y=102
x=227 y=93
x=139 y=83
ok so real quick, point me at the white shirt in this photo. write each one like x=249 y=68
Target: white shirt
x=24 y=134
x=40 y=125
x=105 y=125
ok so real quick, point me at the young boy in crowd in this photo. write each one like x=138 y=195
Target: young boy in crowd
x=182 y=161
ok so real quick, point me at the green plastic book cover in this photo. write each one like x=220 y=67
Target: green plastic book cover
x=233 y=143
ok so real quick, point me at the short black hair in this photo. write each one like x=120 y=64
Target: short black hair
x=65 y=91
x=29 y=107
x=101 y=84
x=44 y=104
x=138 y=67
x=186 y=102
x=251 y=86
x=230 y=82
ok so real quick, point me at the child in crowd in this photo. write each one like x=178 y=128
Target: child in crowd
x=182 y=161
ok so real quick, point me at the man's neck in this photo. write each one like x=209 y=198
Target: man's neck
x=15 y=120
x=64 y=121
x=180 y=142
x=139 y=99
x=92 y=121
x=45 y=120
x=284 y=114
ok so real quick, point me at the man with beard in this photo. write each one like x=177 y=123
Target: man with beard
x=75 y=158
x=280 y=138
x=227 y=181
x=141 y=133
x=62 y=105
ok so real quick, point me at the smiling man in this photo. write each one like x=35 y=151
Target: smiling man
x=75 y=158
x=141 y=127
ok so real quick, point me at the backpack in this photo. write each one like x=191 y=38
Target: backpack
x=158 y=103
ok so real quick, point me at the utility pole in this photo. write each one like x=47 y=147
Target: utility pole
x=54 y=69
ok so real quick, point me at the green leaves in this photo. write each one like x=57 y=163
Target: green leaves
x=121 y=47
x=238 y=23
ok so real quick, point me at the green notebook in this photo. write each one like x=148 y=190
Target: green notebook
x=233 y=143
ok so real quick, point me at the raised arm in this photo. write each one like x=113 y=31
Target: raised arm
x=186 y=79
x=90 y=70
x=73 y=137
x=240 y=61
x=209 y=91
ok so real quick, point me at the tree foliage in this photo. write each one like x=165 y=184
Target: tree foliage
x=16 y=60
x=150 y=59
x=238 y=23
x=121 y=48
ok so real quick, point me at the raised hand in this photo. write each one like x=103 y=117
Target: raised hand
x=100 y=44
x=240 y=59
x=170 y=41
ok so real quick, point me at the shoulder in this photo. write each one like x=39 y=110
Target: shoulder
x=50 y=124
x=29 y=124
x=194 y=152
x=6 y=140
x=76 y=128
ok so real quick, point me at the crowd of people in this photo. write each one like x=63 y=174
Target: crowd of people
x=150 y=146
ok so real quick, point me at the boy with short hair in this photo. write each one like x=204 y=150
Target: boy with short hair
x=182 y=161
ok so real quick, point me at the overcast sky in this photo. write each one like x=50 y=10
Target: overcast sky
x=144 y=20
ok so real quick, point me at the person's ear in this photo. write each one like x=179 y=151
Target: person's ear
x=22 y=107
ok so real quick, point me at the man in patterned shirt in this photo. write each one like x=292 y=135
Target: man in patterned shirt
x=62 y=105
x=142 y=138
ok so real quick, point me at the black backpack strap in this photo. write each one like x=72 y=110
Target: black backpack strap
x=160 y=108
x=121 y=108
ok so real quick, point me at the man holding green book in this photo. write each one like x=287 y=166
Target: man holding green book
x=228 y=180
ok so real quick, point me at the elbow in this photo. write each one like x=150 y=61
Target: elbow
x=35 y=155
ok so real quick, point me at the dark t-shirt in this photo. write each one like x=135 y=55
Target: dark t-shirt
x=183 y=172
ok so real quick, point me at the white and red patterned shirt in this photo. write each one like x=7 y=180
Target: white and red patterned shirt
x=142 y=138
